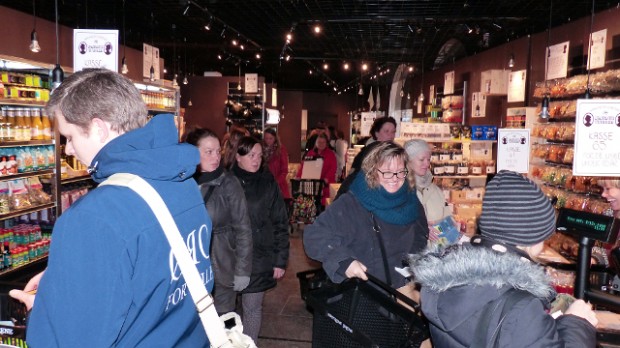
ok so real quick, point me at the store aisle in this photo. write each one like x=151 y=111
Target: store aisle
x=286 y=321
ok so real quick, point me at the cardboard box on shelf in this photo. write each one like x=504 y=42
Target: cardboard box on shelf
x=467 y=196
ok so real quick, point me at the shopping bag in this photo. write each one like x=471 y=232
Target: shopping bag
x=234 y=331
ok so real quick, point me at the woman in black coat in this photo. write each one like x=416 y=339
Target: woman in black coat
x=269 y=219
x=231 y=247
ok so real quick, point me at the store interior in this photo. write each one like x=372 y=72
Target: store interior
x=444 y=69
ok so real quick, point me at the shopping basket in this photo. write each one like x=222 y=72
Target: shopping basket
x=359 y=313
x=306 y=200
x=12 y=311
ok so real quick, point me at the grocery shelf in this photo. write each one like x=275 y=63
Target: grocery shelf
x=13 y=102
x=13 y=143
x=26 y=175
x=39 y=261
x=27 y=210
x=75 y=179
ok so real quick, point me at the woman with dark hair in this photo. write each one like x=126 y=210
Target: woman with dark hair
x=277 y=160
x=380 y=209
x=230 y=145
x=383 y=129
x=269 y=220
x=328 y=172
x=231 y=246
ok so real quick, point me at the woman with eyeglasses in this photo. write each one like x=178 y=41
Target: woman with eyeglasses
x=379 y=212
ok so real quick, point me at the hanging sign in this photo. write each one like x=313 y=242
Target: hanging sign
x=150 y=58
x=597 y=132
x=95 y=49
x=597 y=49
x=251 y=83
x=516 y=86
x=448 y=83
x=556 y=61
x=513 y=150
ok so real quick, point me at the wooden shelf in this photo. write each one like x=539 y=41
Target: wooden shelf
x=42 y=260
x=27 y=210
x=459 y=176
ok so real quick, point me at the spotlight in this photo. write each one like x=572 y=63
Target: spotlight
x=364 y=66
x=257 y=56
x=325 y=66
x=346 y=66
x=317 y=29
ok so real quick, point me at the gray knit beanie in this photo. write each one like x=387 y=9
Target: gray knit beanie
x=515 y=211
x=415 y=147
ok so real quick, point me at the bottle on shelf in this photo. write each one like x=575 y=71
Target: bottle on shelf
x=19 y=124
x=46 y=125
x=36 y=128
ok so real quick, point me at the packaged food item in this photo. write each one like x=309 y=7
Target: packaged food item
x=18 y=195
x=466 y=132
x=36 y=193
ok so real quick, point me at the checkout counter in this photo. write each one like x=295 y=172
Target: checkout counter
x=605 y=296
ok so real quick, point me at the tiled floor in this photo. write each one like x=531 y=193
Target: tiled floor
x=286 y=321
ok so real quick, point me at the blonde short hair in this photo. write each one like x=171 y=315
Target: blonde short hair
x=381 y=153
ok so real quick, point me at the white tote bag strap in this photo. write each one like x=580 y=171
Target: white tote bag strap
x=213 y=325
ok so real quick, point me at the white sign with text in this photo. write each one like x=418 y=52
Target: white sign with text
x=95 y=49
x=513 y=150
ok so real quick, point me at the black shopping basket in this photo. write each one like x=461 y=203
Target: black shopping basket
x=14 y=312
x=359 y=313
x=307 y=195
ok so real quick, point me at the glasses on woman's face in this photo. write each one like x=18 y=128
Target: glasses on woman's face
x=388 y=175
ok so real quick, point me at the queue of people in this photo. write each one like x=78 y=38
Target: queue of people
x=124 y=293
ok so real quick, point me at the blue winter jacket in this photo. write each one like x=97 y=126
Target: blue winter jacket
x=111 y=279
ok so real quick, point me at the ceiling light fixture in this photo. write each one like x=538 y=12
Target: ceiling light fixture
x=257 y=56
x=346 y=66
x=361 y=90
x=209 y=23
x=57 y=74
x=239 y=83
x=152 y=70
x=325 y=66
x=317 y=29
x=34 y=42
x=511 y=61
x=175 y=64
x=185 y=80
x=468 y=28
x=364 y=67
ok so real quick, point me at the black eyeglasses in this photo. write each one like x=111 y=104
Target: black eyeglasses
x=389 y=175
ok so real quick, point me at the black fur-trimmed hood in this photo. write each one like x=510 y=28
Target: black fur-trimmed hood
x=441 y=269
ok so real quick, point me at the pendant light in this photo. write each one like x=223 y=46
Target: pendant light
x=239 y=83
x=511 y=61
x=544 y=110
x=57 y=74
x=124 y=68
x=152 y=70
x=587 y=94
x=34 y=42
x=185 y=81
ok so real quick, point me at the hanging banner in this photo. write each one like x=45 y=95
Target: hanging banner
x=597 y=132
x=93 y=48
x=513 y=150
x=556 y=61
x=251 y=83
x=448 y=83
x=516 y=86
x=597 y=50
x=150 y=58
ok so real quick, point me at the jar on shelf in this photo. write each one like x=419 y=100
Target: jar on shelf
x=463 y=168
x=450 y=168
x=438 y=169
x=490 y=167
x=475 y=168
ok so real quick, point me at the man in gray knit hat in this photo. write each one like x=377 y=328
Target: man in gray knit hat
x=490 y=293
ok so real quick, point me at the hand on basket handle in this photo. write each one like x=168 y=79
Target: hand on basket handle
x=356 y=270
x=27 y=295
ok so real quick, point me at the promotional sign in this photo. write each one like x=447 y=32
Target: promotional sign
x=597 y=131
x=150 y=58
x=448 y=86
x=251 y=83
x=513 y=150
x=556 y=61
x=516 y=86
x=94 y=48
x=597 y=49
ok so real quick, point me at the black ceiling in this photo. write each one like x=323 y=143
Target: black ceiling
x=381 y=33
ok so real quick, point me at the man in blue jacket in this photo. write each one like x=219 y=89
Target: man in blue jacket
x=111 y=279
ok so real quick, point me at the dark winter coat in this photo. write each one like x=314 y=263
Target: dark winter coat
x=344 y=233
x=269 y=219
x=459 y=281
x=231 y=246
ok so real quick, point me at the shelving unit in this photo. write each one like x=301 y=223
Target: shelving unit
x=245 y=109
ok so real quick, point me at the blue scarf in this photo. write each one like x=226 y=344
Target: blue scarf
x=399 y=208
